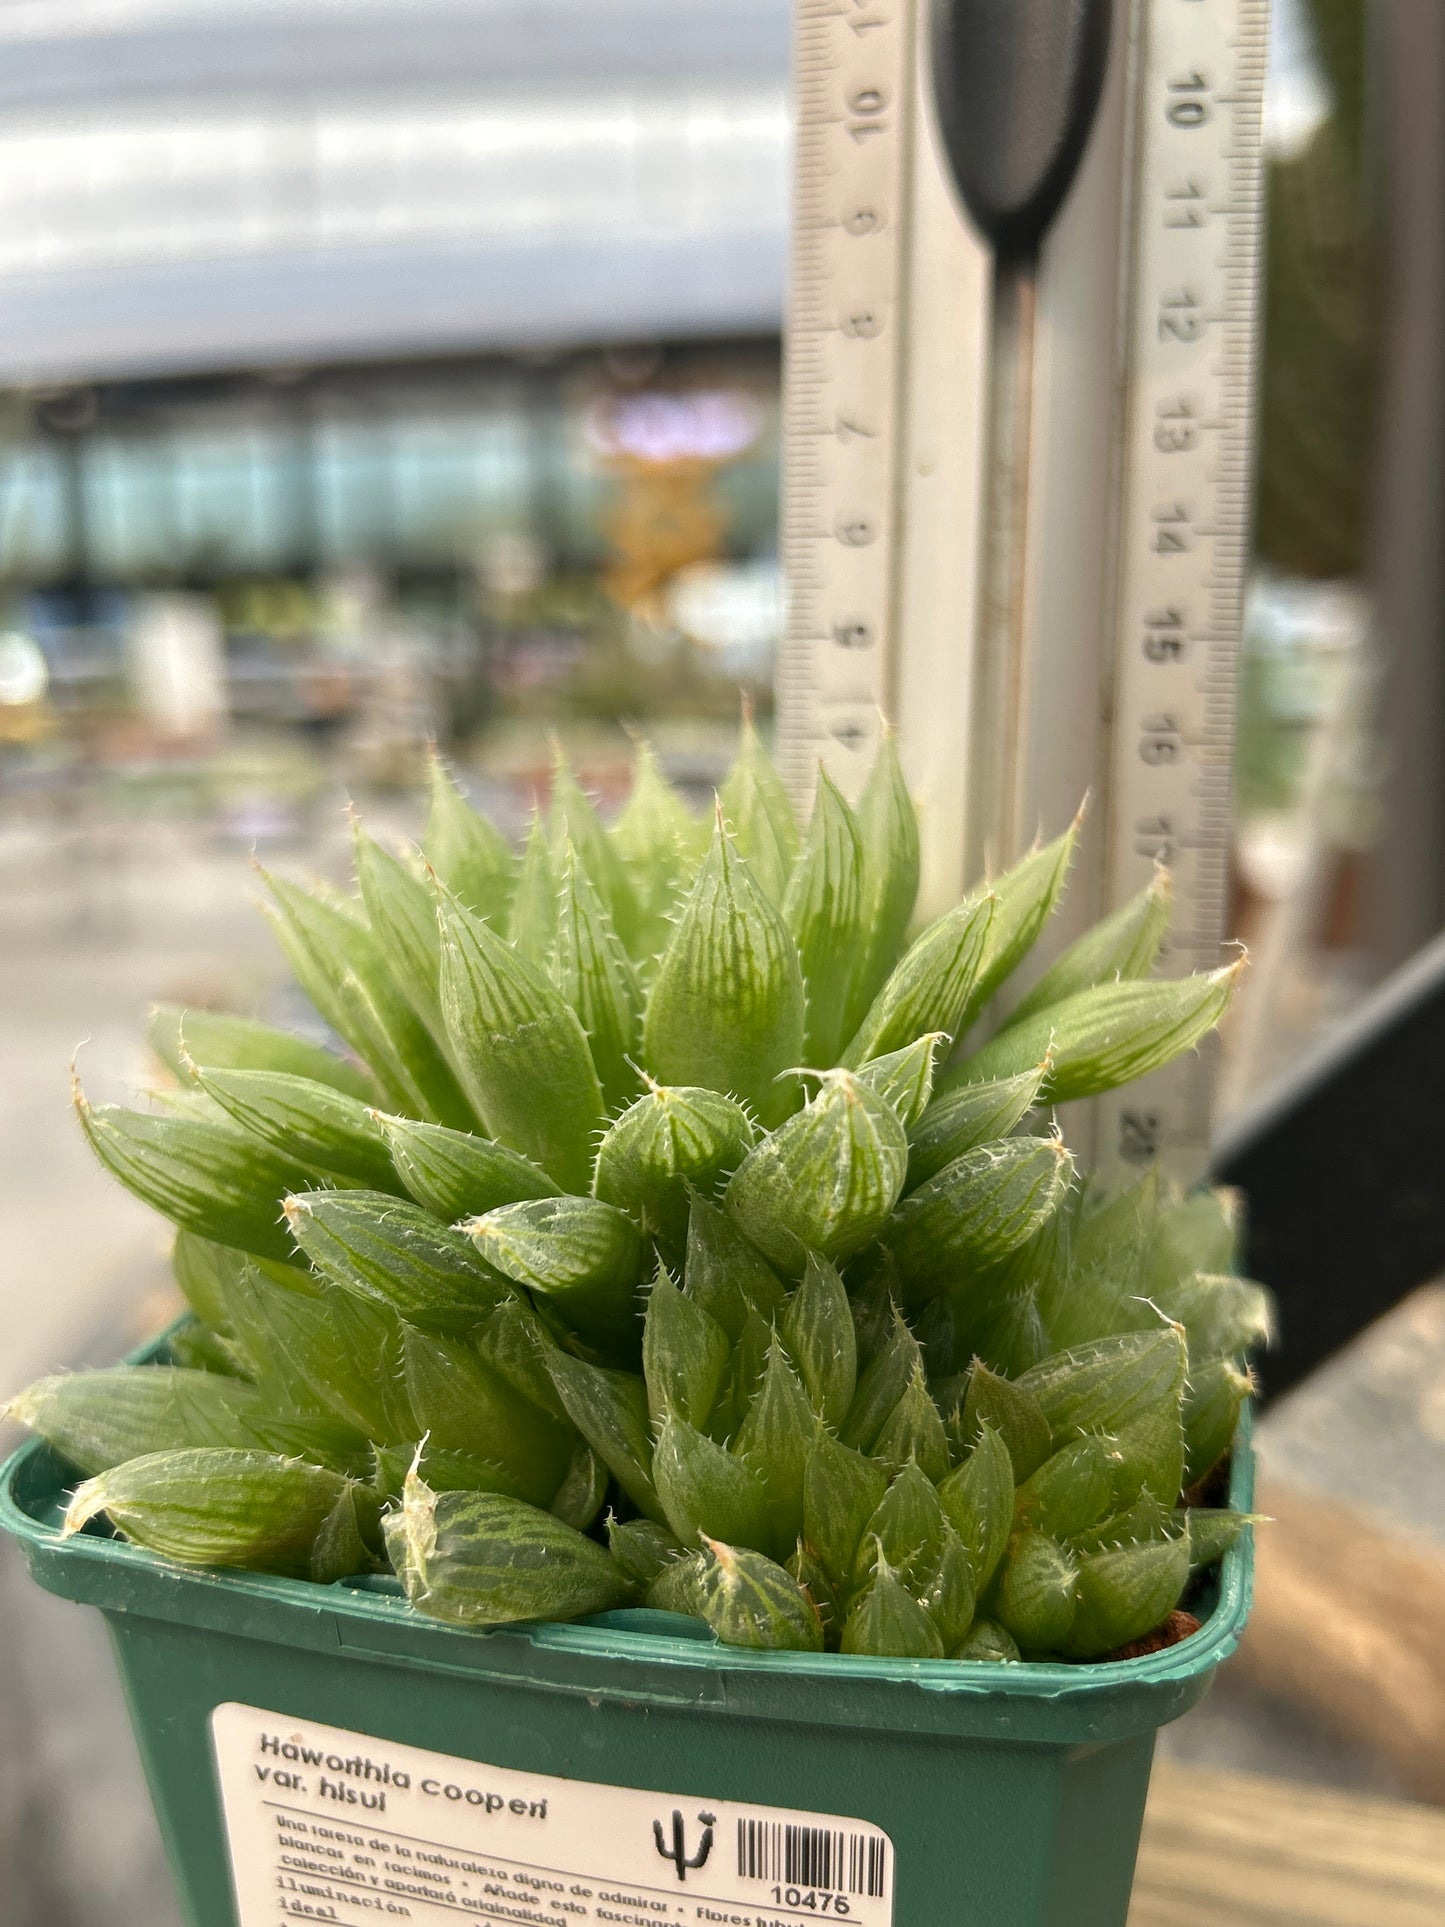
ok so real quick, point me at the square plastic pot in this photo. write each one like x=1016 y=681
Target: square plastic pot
x=1013 y=1794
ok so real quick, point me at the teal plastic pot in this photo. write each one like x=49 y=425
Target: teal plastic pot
x=779 y=1787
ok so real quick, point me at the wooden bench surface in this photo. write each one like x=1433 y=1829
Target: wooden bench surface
x=1238 y=1850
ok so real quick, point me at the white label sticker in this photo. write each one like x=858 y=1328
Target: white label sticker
x=325 y=1824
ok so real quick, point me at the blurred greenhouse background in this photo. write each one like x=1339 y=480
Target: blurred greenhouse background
x=394 y=371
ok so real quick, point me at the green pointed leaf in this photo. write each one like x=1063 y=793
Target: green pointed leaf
x=205 y=1274
x=1002 y=1327
x=455 y=1174
x=1213 y=1399
x=706 y=1489
x=947 y=1594
x=887 y=1622
x=444 y=1471
x=522 y=1053
x=597 y=979
x=1196 y=1233
x=516 y=1345
x=660 y=844
x=914 y=1432
x=1036 y=1592
x=207 y=1178
x=240 y=1044
x=100 y=1419
x=401 y=910
x=463 y=1406
x=684 y=1355
x=774 y=1440
x=882 y=1384
x=397 y=1255
x=1148 y=1451
x=340 y=965
x=1212 y=1531
x=1114 y=1229
x=841 y=1492
x=888 y=835
x=1100 y=1287
x=1108 y=1036
x=825 y=1181
x=323 y=1349
x=1012 y=1410
x=214 y=1506
x=817 y=1329
x=823 y=907
x=815 y=1583
x=532 y=922
x=757 y=809
x=1223 y=1316
x=201 y=1349
x=1027 y=896
x=725 y=1274
x=910 y=1527
x=726 y=1005
x=904 y=1078
x=1144 y=1521
x=669 y=1143
x=978 y=1502
x=748 y=1601
x=930 y=987
x=609 y=1409
x=1123 y=946
x=1104 y=1386
x=1071 y=1491
x=305 y=1121
x=987 y=1642
x=874 y=1304
x=975 y=1212
x=642 y=1548
x=574 y=821
x=344 y=1545
x=678 y=1587
x=469 y=856
x=1123 y=1595
x=477 y=1559
x=743 y=1376
x=583 y=1491
x=584 y=1255
x=964 y=1119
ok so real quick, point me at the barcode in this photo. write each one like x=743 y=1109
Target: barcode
x=811 y=1857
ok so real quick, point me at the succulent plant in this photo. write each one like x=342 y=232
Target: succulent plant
x=664 y=1233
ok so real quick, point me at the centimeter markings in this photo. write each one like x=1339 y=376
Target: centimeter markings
x=839 y=534
x=1183 y=508
x=1181 y=482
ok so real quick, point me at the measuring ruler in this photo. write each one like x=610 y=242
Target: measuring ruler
x=1139 y=435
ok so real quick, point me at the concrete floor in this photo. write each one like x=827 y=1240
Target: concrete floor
x=94 y=923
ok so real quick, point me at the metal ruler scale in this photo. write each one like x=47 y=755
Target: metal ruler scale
x=1141 y=440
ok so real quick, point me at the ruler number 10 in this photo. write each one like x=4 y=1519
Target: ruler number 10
x=865 y=108
x=1188 y=104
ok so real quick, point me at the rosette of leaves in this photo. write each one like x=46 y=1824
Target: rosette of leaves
x=677 y=1224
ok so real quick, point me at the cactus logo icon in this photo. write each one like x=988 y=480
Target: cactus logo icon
x=676 y=1851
